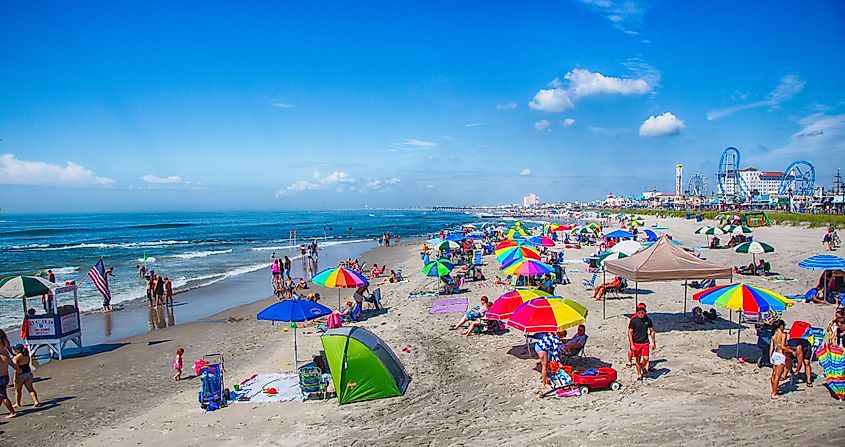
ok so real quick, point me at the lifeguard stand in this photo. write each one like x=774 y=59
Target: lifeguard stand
x=56 y=325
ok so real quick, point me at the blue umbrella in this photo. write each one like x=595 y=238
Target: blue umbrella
x=620 y=234
x=455 y=237
x=823 y=262
x=652 y=236
x=293 y=311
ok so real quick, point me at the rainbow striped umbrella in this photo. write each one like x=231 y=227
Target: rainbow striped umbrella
x=516 y=253
x=526 y=267
x=743 y=297
x=505 y=305
x=832 y=359
x=547 y=314
x=340 y=278
x=505 y=244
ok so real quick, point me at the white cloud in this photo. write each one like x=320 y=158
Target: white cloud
x=661 y=125
x=623 y=14
x=567 y=122
x=525 y=172
x=21 y=172
x=551 y=100
x=821 y=137
x=542 y=125
x=429 y=186
x=337 y=181
x=417 y=143
x=483 y=123
x=790 y=85
x=582 y=82
x=282 y=105
x=506 y=106
x=149 y=178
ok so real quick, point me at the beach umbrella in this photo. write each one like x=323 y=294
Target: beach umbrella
x=736 y=229
x=540 y=241
x=743 y=298
x=526 y=267
x=823 y=262
x=634 y=223
x=517 y=253
x=672 y=241
x=434 y=241
x=470 y=226
x=505 y=244
x=627 y=247
x=593 y=226
x=712 y=231
x=505 y=305
x=438 y=268
x=755 y=248
x=621 y=234
x=448 y=245
x=514 y=245
x=25 y=286
x=583 y=230
x=515 y=232
x=475 y=235
x=610 y=256
x=547 y=314
x=340 y=278
x=294 y=311
x=832 y=359
x=455 y=237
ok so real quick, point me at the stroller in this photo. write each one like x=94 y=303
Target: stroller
x=213 y=395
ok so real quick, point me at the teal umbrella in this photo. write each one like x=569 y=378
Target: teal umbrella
x=25 y=286
x=438 y=268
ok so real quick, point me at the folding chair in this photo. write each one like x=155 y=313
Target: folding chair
x=591 y=284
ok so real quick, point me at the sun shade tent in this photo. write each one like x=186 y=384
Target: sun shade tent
x=664 y=261
x=362 y=366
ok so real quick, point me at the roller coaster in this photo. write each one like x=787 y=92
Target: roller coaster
x=799 y=178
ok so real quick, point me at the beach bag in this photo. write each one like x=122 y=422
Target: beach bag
x=334 y=320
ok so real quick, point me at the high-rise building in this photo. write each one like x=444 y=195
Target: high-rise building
x=530 y=200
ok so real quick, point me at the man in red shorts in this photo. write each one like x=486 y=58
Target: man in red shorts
x=639 y=329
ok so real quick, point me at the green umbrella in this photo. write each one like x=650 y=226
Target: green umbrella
x=25 y=286
x=610 y=256
x=713 y=231
x=736 y=229
x=754 y=248
x=448 y=245
x=437 y=268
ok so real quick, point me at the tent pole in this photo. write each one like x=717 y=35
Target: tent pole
x=603 y=296
x=636 y=293
x=294 y=347
x=685 y=297
x=338 y=300
x=739 y=321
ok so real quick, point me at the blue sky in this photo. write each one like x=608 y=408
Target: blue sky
x=215 y=105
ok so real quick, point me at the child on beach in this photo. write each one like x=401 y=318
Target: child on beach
x=177 y=364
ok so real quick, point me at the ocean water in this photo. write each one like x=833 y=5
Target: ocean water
x=192 y=249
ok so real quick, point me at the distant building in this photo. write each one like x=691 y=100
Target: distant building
x=530 y=200
x=761 y=182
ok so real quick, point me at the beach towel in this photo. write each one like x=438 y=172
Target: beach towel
x=334 y=320
x=448 y=306
x=256 y=389
x=781 y=279
x=833 y=362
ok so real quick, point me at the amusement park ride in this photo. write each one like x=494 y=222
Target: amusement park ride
x=798 y=179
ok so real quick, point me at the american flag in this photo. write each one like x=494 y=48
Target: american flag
x=98 y=276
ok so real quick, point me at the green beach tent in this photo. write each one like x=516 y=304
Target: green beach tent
x=362 y=366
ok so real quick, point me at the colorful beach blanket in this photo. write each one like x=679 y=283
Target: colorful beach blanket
x=255 y=388
x=448 y=306
x=833 y=362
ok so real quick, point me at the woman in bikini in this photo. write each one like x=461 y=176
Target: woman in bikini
x=777 y=356
x=23 y=375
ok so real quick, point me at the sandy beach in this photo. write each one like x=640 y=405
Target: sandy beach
x=464 y=391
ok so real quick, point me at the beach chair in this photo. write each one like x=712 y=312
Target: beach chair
x=312 y=384
x=489 y=327
x=374 y=299
x=591 y=284
x=399 y=276
x=569 y=355
x=623 y=284
x=213 y=395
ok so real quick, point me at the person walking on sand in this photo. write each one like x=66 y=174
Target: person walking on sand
x=639 y=329
x=777 y=356
x=5 y=360
x=286 y=267
x=177 y=364
x=23 y=374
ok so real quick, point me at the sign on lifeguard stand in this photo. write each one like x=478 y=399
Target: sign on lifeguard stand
x=57 y=326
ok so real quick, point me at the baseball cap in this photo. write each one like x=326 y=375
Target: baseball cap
x=17 y=347
x=641 y=306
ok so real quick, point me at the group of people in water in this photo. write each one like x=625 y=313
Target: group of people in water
x=159 y=289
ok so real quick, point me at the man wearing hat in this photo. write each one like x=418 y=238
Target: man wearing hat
x=639 y=329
